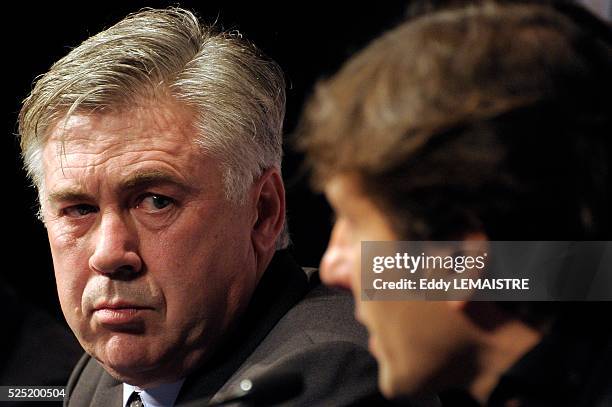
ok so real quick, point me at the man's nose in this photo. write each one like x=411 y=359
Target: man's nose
x=115 y=251
x=337 y=263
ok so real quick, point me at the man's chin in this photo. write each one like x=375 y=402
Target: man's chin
x=130 y=359
x=404 y=388
x=136 y=375
x=392 y=386
x=385 y=383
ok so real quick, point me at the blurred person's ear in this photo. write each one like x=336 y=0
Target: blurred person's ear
x=471 y=244
x=484 y=314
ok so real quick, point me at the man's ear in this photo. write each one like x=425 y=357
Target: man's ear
x=269 y=196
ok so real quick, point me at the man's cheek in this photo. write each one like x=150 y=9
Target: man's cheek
x=70 y=285
x=70 y=300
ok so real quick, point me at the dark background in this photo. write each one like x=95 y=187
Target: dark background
x=309 y=40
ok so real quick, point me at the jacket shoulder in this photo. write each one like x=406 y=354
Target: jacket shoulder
x=319 y=339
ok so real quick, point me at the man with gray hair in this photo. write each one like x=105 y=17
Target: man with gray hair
x=156 y=148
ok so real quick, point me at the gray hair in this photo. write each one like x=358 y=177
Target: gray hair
x=237 y=94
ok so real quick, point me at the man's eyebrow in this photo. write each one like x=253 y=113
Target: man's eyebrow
x=147 y=178
x=74 y=194
x=137 y=180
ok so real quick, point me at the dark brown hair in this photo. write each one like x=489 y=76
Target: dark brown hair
x=489 y=117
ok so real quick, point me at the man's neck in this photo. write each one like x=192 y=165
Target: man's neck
x=500 y=350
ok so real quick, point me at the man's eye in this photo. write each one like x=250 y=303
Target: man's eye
x=78 y=211
x=154 y=203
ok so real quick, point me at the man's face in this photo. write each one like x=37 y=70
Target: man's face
x=152 y=262
x=415 y=342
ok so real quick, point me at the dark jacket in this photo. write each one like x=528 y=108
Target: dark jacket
x=570 y=367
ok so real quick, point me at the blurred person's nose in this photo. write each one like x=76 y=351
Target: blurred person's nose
x=339 y=259
x=115 y=252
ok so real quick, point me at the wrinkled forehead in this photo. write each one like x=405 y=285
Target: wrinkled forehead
x=151 y=138
x=99 y=131
x=147 y=120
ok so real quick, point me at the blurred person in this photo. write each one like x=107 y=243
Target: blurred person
x=483 y=122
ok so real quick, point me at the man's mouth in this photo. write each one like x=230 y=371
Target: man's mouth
x=119 y=313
